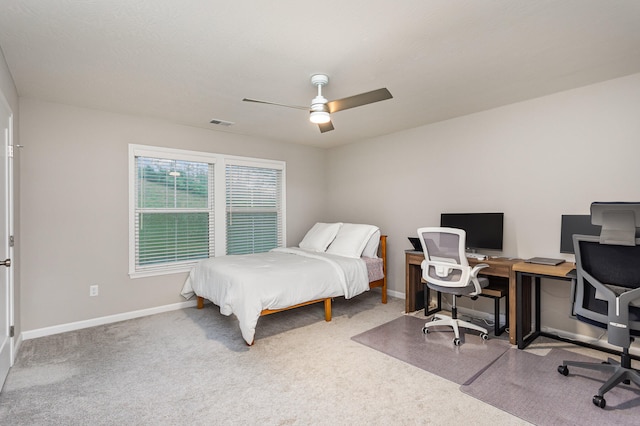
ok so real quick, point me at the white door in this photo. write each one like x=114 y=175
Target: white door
x=6 y=230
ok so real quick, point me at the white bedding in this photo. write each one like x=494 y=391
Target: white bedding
x=245 y=285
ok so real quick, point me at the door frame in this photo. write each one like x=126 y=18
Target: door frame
x=7 y=206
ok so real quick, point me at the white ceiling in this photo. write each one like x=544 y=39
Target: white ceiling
x=191 y=61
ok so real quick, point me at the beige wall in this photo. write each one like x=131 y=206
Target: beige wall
x=75 y=207
x=534 y=161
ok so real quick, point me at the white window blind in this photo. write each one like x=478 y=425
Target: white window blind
x=254 y=214
x=174 y=214
x=185 y=206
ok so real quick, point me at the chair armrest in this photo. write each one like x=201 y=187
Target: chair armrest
x=476 y=269
x=604 y=291
x=474 y=278
x=622 y=299
x=630 y=297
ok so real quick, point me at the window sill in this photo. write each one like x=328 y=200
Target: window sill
x=155 y=273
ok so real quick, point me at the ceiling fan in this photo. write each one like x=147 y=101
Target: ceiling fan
x=321 y=108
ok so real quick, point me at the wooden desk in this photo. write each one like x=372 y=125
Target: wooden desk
x=498 y=267
x=524 y=272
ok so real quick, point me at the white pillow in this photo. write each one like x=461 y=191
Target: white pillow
x=320 y=236
x=351 y=239
x=371 y=249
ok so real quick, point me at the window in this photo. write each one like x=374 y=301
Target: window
x=179 y=198
x=253 y=209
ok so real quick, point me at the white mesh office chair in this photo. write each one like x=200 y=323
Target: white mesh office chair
x=445 y=269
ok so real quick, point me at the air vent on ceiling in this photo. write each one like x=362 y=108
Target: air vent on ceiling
x=222 y=122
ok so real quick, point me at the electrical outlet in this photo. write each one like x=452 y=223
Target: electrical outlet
x=93 y=290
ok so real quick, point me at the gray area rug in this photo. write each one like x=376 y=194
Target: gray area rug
x=529 y=386
x=434 y=352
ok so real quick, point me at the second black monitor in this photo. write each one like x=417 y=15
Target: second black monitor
x=575 y=224
x=484 y=230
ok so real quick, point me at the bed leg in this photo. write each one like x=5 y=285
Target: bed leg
x=384 y=291
x=327 y=310
x=200 y=302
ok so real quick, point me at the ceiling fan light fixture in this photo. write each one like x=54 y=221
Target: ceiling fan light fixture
x=319 y=117
x=321 y=109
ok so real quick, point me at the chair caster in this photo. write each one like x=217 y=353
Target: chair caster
x=484 y=336
x=425 y=330
x=599 y=401
x=562 y=369
x=456 y=342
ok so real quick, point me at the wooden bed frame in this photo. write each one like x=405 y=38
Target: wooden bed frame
x=327 y=302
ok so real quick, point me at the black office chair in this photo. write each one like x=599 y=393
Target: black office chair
x=446 y=269
x=608 y=291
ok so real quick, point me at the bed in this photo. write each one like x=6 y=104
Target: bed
x=333 y=260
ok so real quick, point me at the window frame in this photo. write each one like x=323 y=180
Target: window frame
x=219 y=202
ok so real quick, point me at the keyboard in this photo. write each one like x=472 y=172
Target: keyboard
x=476 y=256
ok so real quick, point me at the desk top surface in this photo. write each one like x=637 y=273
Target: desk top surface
x=559 y=271
x=519 y=265
x=472 y=261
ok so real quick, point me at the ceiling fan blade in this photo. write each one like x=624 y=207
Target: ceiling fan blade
x=275 y=103
x=359 y=100
x=325 y=127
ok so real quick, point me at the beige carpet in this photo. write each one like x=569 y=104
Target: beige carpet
x=192 y=367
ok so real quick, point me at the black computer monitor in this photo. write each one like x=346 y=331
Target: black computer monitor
x=484 y=230
x=581 y=224
x=575 y=224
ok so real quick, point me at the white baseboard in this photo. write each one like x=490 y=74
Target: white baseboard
x=634 y=349
x=602 y=342
x=17 y=343
x=62 y=328
x=573 y=336
x=396 y=294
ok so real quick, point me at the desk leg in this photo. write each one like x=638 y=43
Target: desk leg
x=524 y=336
x=519 y=313
x=537 y=315
x=427 y=301
x=513 y=308
x=407 y=286
x=519 y=306
x=414 y=297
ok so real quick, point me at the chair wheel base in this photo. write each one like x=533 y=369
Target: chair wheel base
x=456 y=342
x=599 y=401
